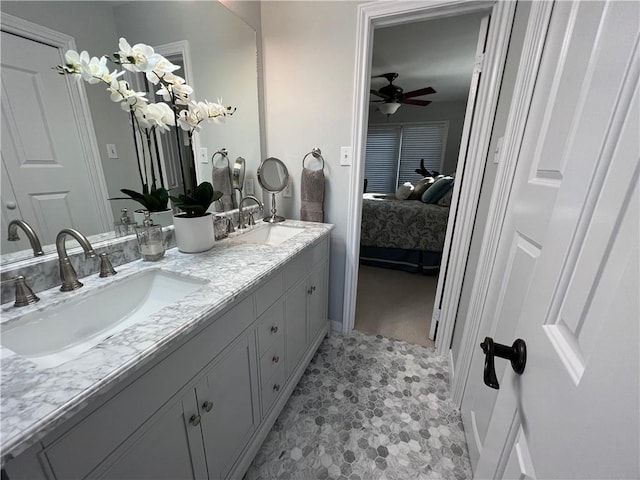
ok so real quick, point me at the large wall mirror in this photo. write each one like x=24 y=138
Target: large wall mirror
x=94 y=153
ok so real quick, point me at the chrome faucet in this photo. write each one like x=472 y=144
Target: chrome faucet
x=31 y=235
x=241 y=223
x=67 y=273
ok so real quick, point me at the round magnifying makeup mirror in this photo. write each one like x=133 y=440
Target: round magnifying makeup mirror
x=273 y=177
x=237 y=176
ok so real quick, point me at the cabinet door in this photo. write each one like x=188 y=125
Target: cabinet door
x=317 y=307
x=295 y=321
x=228 y=403
x=170 y=447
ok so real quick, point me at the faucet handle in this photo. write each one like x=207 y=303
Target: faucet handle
x=106 y=268
x=24 y=294
x=230 y=228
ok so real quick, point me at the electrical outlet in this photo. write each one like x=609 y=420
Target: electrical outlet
x=203 y=155
x=111 y=150
x=248 y=186
x=287 y=190
x=345 y=156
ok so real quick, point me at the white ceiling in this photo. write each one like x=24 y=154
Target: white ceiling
x=436 y=53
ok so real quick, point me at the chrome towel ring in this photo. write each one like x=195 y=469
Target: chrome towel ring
x=316 y=154
x=224 y=154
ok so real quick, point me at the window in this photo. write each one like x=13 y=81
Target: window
x=394 y=152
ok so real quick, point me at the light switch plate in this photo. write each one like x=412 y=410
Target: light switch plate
x=112 y=152
x=345 y=156
x=203 y=155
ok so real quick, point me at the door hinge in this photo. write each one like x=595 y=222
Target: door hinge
x=477 y=66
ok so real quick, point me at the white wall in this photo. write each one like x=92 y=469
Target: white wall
x=309 y=67
x=453 y=112
x=223 y=62
x=92 y=26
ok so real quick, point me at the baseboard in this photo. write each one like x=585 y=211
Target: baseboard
x=336 y=326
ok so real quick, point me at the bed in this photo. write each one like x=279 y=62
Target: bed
x=403 y=234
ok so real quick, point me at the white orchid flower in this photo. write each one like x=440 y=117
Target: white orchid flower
x=162 y=69
x=93 y=69
x=139 y=58
x=112 y=78
x=160 y=115
x=173 y=84
x=72 y=62
x=188 y=120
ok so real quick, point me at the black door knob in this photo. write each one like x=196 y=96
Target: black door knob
x=516 y=353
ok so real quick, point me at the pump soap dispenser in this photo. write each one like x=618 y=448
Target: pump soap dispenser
x=150 y=239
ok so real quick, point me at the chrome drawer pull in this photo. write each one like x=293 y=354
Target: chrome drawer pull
x=207 y=406
x=194 y=420
x=274 y=329
x=276 y=387
x=275 y=359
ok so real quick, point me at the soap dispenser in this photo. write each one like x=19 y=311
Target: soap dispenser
x=124 y=226
x=150 y=239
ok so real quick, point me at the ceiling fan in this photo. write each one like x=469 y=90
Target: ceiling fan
x=393 y=95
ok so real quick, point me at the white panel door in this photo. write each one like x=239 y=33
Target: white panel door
x=41 y=145
x=566 y=276
x=462 y=158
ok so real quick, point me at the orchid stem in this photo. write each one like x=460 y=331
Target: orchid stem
x=135 y=143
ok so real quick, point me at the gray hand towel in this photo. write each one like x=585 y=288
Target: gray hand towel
x=312 y=195
x=222 y=183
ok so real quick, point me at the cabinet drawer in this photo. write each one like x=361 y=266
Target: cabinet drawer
x=300 y=266
x=272 y=389
x=268 y=293
x=272 y=359
x=73 y=456
x=270 y=327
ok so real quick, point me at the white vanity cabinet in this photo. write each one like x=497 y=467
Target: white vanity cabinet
x=203 y=410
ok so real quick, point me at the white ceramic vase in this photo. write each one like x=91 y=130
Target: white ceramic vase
x=194 y=234
x=163 y=218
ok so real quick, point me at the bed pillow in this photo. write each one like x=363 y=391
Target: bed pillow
x=437 y=190
x=420 y=187
x=404 y=190
x=445 y=201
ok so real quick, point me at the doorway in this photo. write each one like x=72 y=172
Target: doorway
x=431 y=65
x=469 y=173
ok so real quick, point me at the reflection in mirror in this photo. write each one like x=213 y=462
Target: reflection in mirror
x=273 y=176
x=237 y=178
x=85 y=139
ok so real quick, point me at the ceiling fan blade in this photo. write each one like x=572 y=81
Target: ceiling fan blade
x=410 y=101
x=419 y=93
x=378 y=94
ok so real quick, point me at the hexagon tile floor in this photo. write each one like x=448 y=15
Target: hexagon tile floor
x=367 y=407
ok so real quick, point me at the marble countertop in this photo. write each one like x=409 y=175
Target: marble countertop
x=34 y=401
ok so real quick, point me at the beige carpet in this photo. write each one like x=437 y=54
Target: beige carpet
x=395 y=304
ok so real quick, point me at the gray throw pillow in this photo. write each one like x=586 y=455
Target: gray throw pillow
x=438 y=190
x=420 y=187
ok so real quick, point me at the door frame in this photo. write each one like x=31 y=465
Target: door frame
x=466 y=193
x=79 y=105
x=537 y=26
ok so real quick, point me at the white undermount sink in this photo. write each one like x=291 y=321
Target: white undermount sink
x=269 y=234
x=61 y=332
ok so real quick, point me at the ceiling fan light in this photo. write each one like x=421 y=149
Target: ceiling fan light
x=389 y=108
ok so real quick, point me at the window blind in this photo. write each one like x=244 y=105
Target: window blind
x=394 y=152
x=381 y=158
x=418 y=142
